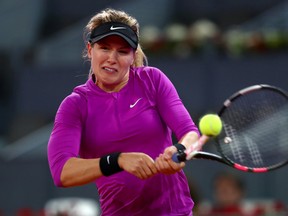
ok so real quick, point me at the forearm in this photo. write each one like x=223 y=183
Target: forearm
x=189 y=139
x=78 y=171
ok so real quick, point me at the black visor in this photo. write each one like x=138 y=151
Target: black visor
x=114 y=28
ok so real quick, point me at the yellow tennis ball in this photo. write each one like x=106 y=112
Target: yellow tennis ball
x=210 y=125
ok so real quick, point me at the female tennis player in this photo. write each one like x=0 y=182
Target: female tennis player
x=115 y=129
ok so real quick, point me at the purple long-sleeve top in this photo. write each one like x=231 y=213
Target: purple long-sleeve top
x=141 y=117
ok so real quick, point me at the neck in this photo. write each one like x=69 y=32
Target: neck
x=113 y=87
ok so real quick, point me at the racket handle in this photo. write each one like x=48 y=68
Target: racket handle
x=187 y=154
x=179 y=157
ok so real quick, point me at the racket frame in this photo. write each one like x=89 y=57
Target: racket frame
x=195 y=153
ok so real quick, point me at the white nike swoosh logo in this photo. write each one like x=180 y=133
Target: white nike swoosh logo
x=115 y=28
x=108 y=157
x=132 y=105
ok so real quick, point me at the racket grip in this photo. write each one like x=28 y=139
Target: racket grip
x=175 y=158
x=179 y=157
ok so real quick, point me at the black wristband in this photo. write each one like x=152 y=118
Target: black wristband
x=180 y=147
x=180 y=151
x=109 y=164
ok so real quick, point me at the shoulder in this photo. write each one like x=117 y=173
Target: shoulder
x=76 y=100
x=73 y=108
x=153 y=79
x=148 y=70
x=148 y=73
x=80 y=91
x=78 y=94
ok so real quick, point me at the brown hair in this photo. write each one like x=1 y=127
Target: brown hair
x=111 y=15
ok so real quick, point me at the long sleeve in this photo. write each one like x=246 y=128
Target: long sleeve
x=171 y=108
x=65 y=138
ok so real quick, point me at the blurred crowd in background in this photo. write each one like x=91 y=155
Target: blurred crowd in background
x=41 y=44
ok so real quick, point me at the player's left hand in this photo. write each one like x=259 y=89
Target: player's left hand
x=165 y=164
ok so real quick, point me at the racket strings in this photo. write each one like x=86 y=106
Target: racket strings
x=255 y=129
x=255 y=153
x=234 y=146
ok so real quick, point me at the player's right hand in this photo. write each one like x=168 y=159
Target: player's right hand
x=165 y=164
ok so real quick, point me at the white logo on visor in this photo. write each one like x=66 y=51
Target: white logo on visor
x=115 y=28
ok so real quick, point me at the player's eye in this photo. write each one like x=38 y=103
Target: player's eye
x=125 y=51
x=104 y=47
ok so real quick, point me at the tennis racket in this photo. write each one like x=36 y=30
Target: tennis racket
x=254 y=137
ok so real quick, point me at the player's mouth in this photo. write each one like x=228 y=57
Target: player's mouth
x=110 y=70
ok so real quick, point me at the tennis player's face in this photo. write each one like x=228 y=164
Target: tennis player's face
x=111 y=59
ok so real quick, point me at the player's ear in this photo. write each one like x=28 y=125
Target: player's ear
x=134 y=58
x=89 y=49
